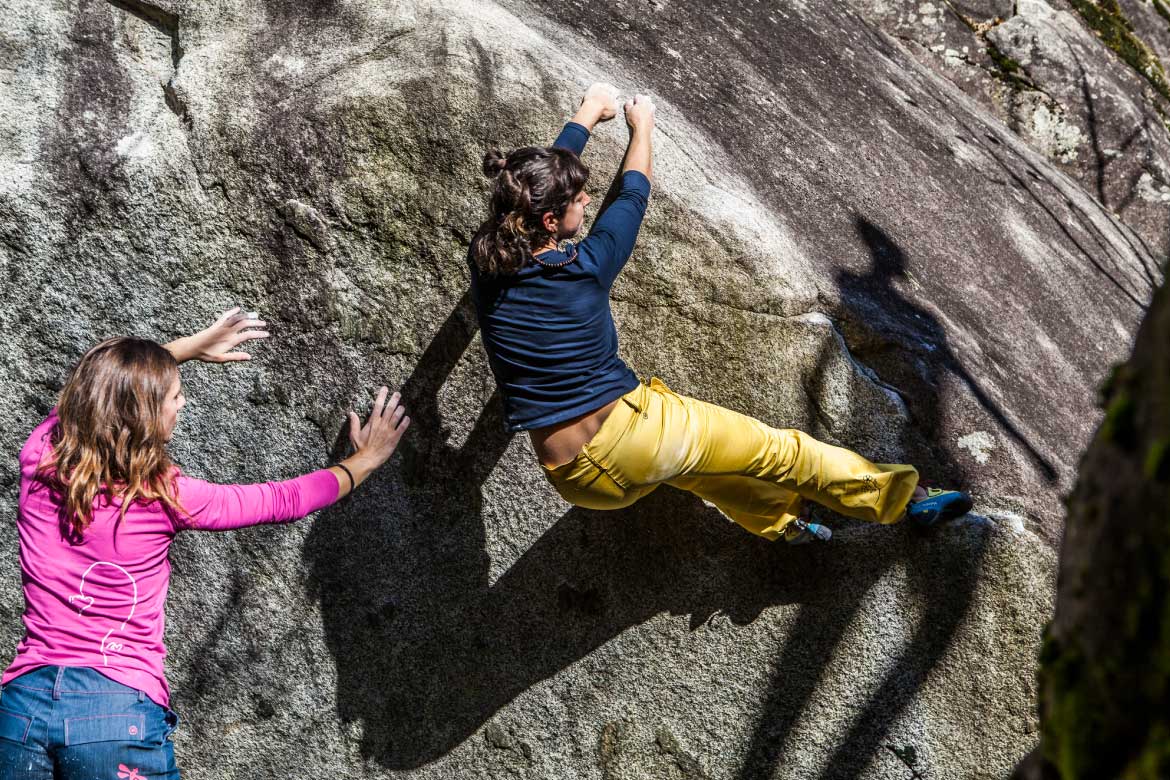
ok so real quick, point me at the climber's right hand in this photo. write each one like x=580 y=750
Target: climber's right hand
x=376 y=440
x=373 y=443
x=640 y=113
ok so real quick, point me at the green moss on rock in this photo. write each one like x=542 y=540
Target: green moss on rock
x=1157 y=464
x=1119 y=425
x=1153 y=763
x=1009 y=70
x=1162 y=9
x=1005 y=63
x=1111 y=25
x=1073 y=716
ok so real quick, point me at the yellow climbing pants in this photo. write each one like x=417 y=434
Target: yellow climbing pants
x=754 y=474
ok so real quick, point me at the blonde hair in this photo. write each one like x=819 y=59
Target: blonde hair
x=110 y=439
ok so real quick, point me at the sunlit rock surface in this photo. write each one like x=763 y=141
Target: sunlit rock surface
x=1083 y=82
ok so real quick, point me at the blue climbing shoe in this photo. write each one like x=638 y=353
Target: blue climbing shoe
x=800 y=531
x=938 y=506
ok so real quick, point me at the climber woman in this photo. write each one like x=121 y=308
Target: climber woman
x=603 y=439
x=100 y=504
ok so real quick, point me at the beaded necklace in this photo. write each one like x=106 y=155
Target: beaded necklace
x=572 y=253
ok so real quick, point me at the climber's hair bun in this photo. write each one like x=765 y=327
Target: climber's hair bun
x=526 y=184
x=494 y=163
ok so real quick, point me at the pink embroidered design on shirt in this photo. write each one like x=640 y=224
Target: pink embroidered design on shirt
x=84 y=602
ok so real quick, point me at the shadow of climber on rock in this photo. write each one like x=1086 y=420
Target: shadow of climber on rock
x=427 y=649
x=908 y=348
x=943 y=572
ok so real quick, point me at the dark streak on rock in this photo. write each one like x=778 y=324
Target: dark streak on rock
x=908 y=755
x=687 y=764
x=93 y=108
x=177 y=105
x=166 y=23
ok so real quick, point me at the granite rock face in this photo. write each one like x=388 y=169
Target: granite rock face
x=1083 y=82
x=840 y=240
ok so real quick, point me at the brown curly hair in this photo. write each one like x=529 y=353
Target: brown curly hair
x=529 y=182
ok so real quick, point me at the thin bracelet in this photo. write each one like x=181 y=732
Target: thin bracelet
x=348 y=473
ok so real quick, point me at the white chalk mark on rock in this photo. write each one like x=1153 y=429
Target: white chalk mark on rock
x=137 y=144
x=1010 y=519
x=979 y=444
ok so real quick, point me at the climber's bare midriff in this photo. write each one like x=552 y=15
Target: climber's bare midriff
x=558 y=444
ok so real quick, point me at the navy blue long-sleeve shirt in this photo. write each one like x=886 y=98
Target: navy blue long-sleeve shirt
x=548 y=329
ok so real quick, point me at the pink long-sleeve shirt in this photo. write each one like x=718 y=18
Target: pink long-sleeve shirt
x=100 y=604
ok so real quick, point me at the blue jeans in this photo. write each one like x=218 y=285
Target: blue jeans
x=72 y=723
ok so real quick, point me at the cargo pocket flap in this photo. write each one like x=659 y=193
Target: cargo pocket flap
x=14 y=727
x=104 y=728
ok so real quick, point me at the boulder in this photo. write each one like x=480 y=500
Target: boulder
x=839 y=240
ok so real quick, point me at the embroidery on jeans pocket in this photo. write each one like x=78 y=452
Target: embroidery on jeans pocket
x=123 y=727
x=126 y=773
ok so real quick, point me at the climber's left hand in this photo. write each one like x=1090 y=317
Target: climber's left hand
x=215 y=343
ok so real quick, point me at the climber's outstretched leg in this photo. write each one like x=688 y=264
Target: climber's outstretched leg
x=755 y=474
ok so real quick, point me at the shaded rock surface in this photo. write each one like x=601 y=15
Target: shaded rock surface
x=1105 y=674
x=840 y=240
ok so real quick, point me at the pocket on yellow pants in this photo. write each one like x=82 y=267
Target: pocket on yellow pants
x=582 y=482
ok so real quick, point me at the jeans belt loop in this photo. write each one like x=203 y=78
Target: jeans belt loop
x=141 y=697
x=57 y=683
